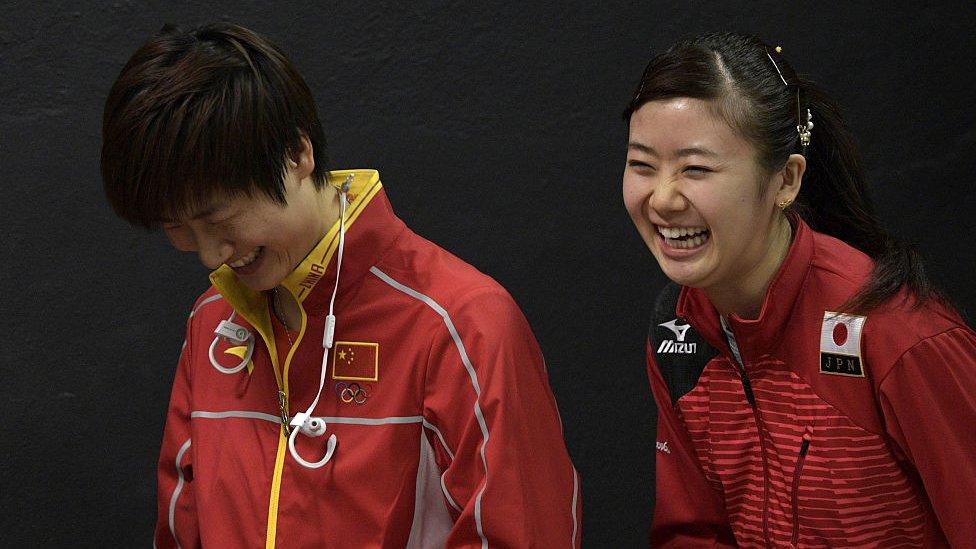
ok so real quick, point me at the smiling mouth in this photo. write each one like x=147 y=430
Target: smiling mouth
x=248 y=259
x=683 y=238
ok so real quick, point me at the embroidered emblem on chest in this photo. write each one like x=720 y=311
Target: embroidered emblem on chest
x=680 y=331
x=353 y=393
x=355 y=361
x=840 y=344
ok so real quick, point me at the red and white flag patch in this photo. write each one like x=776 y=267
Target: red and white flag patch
x=840 y=344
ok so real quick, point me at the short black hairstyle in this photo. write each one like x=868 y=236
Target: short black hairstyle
x=198 y=113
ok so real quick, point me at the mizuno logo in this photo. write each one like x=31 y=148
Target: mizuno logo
x=669 y=346
x=679 y=331
x=674 y=347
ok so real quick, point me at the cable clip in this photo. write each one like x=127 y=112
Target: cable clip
x=233 y=333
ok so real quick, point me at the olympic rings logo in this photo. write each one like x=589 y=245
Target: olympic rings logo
x=352 y=392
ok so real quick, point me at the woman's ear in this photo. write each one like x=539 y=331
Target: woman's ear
x=792 y=179
x=304 y=161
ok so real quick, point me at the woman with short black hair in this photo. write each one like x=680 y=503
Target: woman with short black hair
x=812 y=388
x=343 y=382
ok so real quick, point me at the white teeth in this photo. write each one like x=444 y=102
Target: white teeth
x=684 y=237
x=248 y=259
x=678 y=232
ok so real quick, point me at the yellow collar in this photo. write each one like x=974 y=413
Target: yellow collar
x=253 y=305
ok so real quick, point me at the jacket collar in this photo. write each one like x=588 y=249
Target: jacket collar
x=370 y=228
x=761 y=335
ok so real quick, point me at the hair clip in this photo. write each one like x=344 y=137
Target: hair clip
x=775 y=66
x=805 y=131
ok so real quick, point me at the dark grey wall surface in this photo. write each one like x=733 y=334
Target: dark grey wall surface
x=496 y=128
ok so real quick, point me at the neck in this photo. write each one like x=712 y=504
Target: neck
x=286 y=309
x=326 y=201
x=746 y=295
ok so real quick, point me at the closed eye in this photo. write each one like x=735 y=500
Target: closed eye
x=223 y=221
x=697 y=171
x=637 y=164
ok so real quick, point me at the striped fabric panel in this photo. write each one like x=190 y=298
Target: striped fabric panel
x=851 y=491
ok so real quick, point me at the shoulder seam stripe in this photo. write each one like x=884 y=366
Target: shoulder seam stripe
x=474 y=382
x=207 y=301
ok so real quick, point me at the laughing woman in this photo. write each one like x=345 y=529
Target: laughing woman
x=813 y=390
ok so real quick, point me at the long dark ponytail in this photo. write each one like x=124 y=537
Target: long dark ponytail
x=764 y=99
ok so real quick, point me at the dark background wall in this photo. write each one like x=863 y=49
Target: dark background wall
x=496 y=128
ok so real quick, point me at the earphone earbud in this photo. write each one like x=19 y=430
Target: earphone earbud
x=315 y=427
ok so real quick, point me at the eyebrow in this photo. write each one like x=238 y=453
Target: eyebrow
x=688 y=151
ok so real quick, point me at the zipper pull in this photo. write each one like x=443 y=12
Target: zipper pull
x=805 y=440
x=283 y=410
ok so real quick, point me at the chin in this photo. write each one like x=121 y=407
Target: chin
x=682 y=273
x=258 y=282
x=693 y=272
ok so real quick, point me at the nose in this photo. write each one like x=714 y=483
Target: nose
x=214 y=251
x=667 y=197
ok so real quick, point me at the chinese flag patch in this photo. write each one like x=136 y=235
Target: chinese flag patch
x=355 y=361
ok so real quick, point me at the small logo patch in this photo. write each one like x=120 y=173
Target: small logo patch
x=662 y=446
x=840 y=344
x=240 y=352
x=670 y=346
x=352 y=393
x=355 y=361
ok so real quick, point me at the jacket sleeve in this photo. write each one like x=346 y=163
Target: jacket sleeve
x=176 y=519
x=928 y=401
x=507 y=478
x=688 y=511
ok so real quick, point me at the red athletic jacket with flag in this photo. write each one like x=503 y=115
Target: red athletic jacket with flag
x=805 y=428
x=447 y=432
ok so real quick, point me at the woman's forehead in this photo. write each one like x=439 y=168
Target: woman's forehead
x=683 y=126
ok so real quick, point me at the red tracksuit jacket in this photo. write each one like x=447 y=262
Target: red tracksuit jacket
x=807 y=429
x=447 y=432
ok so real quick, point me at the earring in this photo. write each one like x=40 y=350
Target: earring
x=785 y=204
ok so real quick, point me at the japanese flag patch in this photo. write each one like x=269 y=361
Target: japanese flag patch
x=840 y=344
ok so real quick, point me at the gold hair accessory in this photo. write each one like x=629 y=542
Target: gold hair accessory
x=805 y=131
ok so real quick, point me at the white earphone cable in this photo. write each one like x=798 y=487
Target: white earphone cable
x=234 y=334
x=304 y=422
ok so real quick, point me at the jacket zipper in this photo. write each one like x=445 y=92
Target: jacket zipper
x=804 y=447
x=762 y=451
x=271 y=533
x=283 y=412
x=751 y=397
